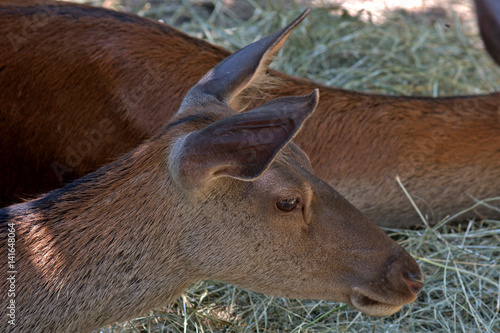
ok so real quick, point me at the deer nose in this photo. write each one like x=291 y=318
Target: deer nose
x=414 y=280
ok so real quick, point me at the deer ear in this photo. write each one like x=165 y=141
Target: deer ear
x=238 y=71
x=488 y=17
x=241 y=146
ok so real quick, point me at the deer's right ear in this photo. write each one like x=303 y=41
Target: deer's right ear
x=241 y=146
x=230 y=77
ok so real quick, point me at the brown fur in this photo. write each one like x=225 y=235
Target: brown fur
x=190 y=204
x=74 y=101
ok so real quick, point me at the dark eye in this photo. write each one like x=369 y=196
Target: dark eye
x=287 y=205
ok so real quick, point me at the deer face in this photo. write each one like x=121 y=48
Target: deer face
x=290 y=234
x=264 y=221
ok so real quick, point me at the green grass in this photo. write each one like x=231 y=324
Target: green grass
x=406 y=53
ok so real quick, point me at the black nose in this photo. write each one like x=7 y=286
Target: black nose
x=414 y=280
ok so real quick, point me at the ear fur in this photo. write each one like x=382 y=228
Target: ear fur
x=241 y=146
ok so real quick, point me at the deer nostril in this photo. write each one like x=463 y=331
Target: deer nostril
x=414 y=280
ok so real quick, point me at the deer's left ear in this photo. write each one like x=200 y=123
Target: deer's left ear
x=241 y=146
x=238 y=71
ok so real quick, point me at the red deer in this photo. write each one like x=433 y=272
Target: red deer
x=82 y=86
x=488 y=19
x=214 y=194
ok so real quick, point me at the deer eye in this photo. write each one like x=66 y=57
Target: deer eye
x=287 y=205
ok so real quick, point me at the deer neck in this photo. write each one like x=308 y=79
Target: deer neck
x=113 y=237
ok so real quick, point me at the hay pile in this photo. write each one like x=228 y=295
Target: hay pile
x=427 y=53
x=432 y=53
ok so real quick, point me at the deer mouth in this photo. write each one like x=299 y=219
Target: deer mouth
x=371 y=306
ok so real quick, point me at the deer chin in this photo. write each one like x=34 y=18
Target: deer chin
x=371 y=306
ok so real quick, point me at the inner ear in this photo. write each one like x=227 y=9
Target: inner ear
x=257 y=90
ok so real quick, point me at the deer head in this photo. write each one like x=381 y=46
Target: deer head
x=275 y=227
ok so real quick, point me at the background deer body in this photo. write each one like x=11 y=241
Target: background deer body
x=215 y=194
x=96 y=95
